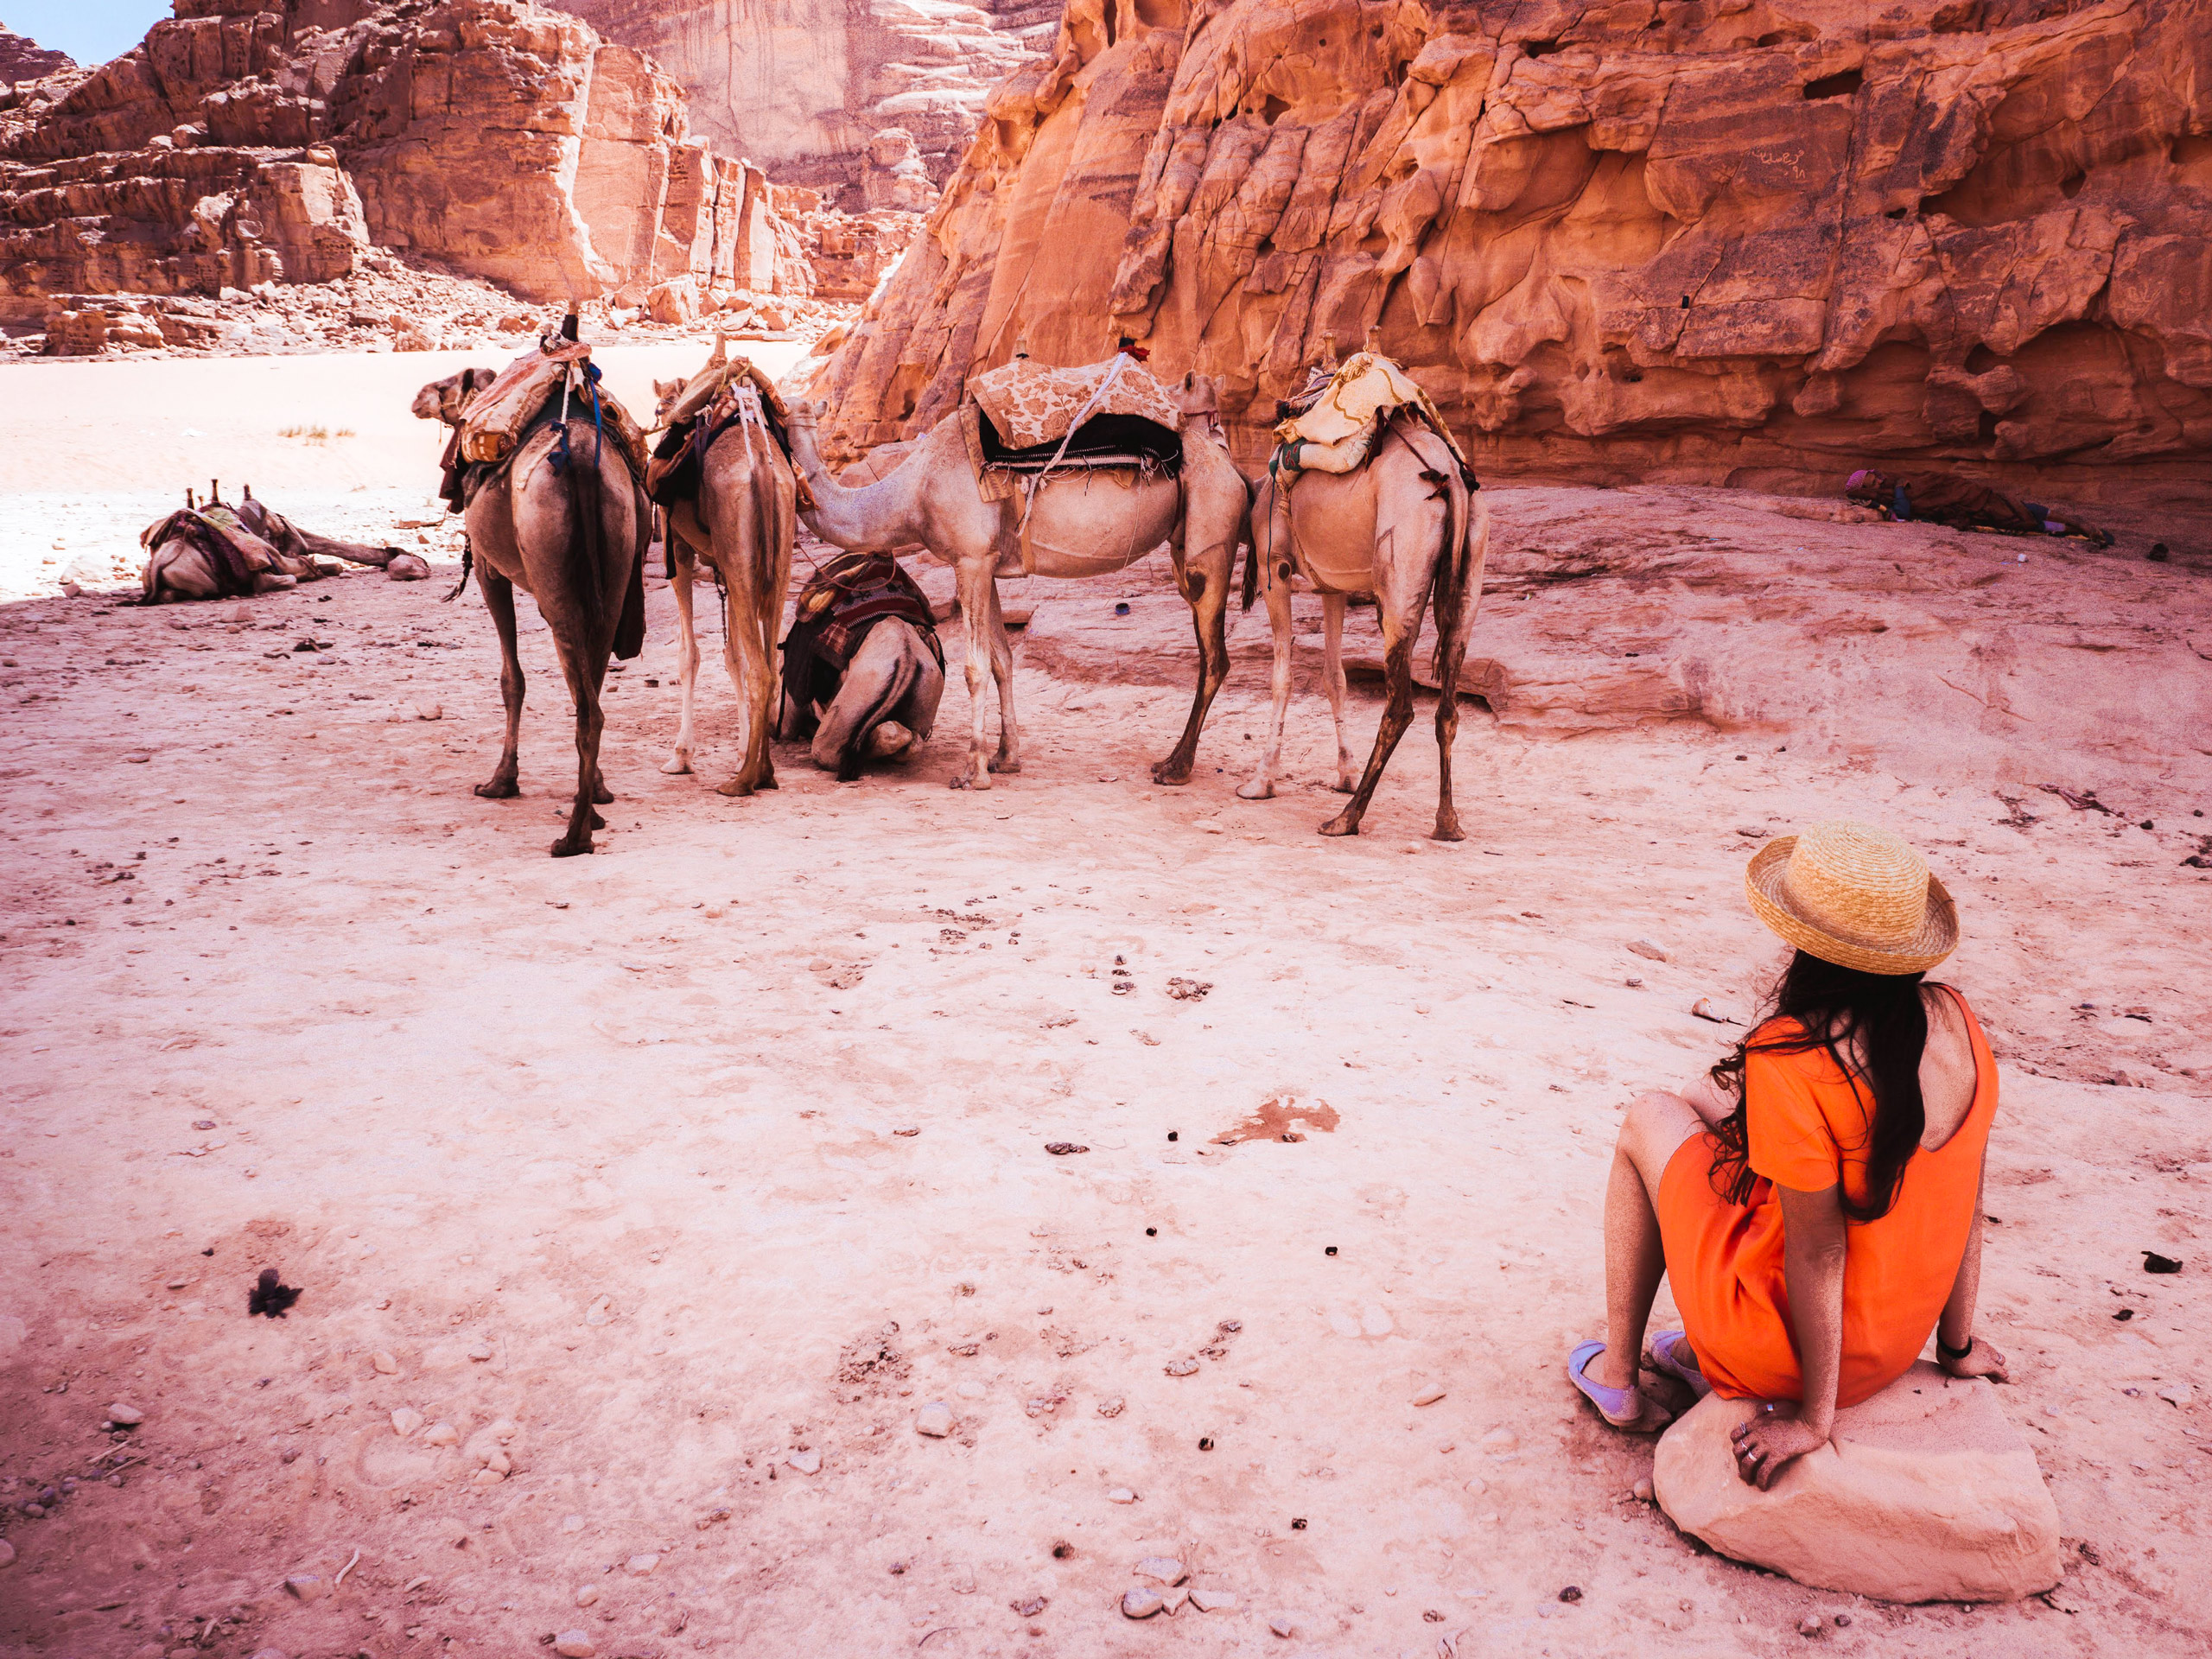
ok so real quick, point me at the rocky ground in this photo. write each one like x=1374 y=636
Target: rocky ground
x=643 y=1206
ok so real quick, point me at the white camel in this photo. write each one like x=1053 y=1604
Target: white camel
x=1405 y=528
x=1079 y=525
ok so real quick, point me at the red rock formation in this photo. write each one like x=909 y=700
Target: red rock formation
x=24 y=59
x=1752 y=241
x=239 y=144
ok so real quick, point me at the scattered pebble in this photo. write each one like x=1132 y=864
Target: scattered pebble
x=1703 y=1009
x=7 y=1553
x=125 y=1416
x=1174 y=1598
x=1499 y=1440
x=406 y=1420
x=306 y=1587
x=1111 y=1408
x=1283 y=1625
x=1141 y=1601
x=934 y=1420
x=1062 y=1148
x=384 y=1363
x=480 y=1351
x=441 y=1434
x=574 y=1644
x=2178 y=1393
x=1429 y=1395
x=588 y=1595
x=1809 y=1625
x=641 y=1565
x=1164 y=1568
x=1642 y=1489
x=1120 y=1495
x=1032 y=1607
x=909 y=1133
x=1573 y=1594
x=1183 y=1367
x=807 y=1462
x=1645 y=948
x=1213 y=1601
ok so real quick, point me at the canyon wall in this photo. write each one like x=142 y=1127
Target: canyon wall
x=24 y=59
x=802 y=86
x=1756 y=242
x=246 y=141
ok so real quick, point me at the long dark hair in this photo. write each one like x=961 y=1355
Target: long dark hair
x=1874 y=1026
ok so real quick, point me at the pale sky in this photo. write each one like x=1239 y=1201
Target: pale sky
x=91 y=31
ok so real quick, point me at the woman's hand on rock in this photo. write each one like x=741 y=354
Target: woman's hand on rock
x=1981 y=1360
x=1768 y=1441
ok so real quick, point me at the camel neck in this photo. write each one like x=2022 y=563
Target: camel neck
x=875 y=516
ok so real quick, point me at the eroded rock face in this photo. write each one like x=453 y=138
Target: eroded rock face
x=1925 y=1494
x=24 y=59
x=1756 y=244
x=809 y=82
x=240 y=144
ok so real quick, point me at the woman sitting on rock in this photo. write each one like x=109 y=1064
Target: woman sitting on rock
x=1815 y=1200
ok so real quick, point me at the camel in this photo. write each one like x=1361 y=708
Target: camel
x=564 y=518
x=1405 y=528
x=740 y=518
x=245 y=549
x=863 y=672
x=1079 y=525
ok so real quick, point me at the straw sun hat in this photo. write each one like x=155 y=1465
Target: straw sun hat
x=1853 y=895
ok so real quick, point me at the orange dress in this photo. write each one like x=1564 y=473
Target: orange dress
x=1808 y=1127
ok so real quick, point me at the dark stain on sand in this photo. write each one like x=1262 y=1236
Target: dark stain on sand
x=1275 y=1118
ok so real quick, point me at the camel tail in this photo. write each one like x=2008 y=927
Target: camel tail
x=588 y=544
x=1466 y=522
x=1251 y=551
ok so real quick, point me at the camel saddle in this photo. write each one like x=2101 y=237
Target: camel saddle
x=1031 y=404
x=848 y=596
x=499 y=416
x=235 y=553
x=1333 y=425
x=724 y=394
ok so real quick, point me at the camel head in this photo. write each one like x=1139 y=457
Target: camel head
x=447 y=399
x=806 y=415
x=1197 y=394
x=665 y=392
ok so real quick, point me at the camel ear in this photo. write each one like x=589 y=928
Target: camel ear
x=721 y=350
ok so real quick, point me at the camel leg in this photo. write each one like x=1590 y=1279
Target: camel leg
x=753 y=676
x=1333 y=674
x=584 y=686
x=1455 y=616
x=1008 y=758
x=1275 y=589
x=499 y=600
x=1397 y=714
x=978 y=611
x=687 y=654
x=1206 y=586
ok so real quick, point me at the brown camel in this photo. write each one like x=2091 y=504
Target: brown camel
x=738 y=511
x=564 y=518
x=1405 y=528
x=214 y=549
x=1078 y=526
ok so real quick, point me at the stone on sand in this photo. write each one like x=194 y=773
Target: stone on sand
x=1141 y=1601
x=123 y=1415
x=384 y=1363
x=7 y=1553
x=641 y=1565
x=439 y=1435
x=1165 y=1569
x=1926 y=1493
x=574 y=1644
x=1429 y=1395
x=1213 y=1601
x=934 y=1420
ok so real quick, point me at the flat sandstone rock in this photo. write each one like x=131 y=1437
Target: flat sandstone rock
x=1926 y=1493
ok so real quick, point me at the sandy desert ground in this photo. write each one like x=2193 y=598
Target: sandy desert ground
x=655 y=1193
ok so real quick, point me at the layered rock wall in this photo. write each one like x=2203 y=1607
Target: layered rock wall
x=24 y=59
x=240 y=144
x=1748 y=241
x=802 y=86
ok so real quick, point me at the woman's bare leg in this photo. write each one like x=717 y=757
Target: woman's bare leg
x=1655 y=1125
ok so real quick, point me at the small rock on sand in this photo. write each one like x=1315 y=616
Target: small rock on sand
x=384 y=1363
x=7 y=1553
x=934 y=1420
x=588 y=1595
x=1111 y=1408
x=429 y=711
x=574 y=1644
x=641 y=1565
x=1120 y=1495
x=405 y=1421
x=1213 y=1601
x=125 y=1416
x=1141 y=1601
x=1283 y=1625
x=1642 y=1490
x=1174 y=1598
x=1184 y=1367
x=807 y=1462
x=480 y=1351
x=1499 y=1441
x=1166 y=1569
x=1645 y=949
x=306 y=1587
x=1429 y=1395
x=441 y=1434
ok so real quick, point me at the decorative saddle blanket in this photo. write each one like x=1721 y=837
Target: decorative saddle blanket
x=499 y=416
x=1031 y=404
x=721 y=396
x=1332 y=425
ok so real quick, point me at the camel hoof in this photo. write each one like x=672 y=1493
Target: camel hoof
x=1256 y=791
x=737 y=787
x=676 y=765
x=968 y=780
x=499 y=789
x=601 y=795
x=1168 y=774
x=1448 y=829
x=1342 y=824
x=1002 y=764
x=1342 y=786
x=597 y=823
x=568 y=847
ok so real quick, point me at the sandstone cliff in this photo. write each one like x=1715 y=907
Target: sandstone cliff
x=802 y=86
x=242 y=144
x=24 y=59
x=1749 y=241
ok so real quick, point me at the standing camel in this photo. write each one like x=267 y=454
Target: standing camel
x=1079 y=525
x=564 y=518
x=737 y=510
x=1403 y=527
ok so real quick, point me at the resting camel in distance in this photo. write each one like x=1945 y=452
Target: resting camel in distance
x=571 y=535
x=740 y=518
x=190 y=556
x=1405 y=528
x=1077 y=527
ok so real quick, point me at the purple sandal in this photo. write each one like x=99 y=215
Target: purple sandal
x=1621 y=1407
x=1659 y=1355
